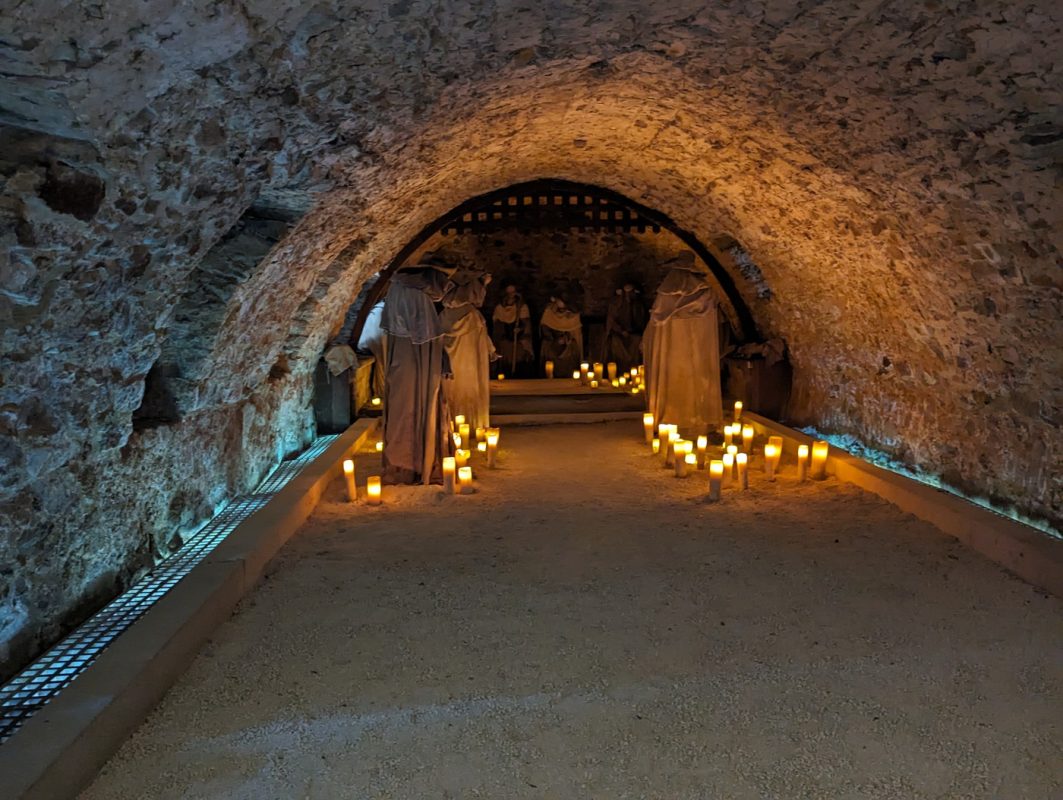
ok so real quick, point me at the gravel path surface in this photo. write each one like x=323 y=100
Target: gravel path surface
x=585 y=627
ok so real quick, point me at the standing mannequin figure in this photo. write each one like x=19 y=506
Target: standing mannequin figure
x=416 y=422
x=682 y=348
x=625 y=323
x=511 y=331
x=468 y=347
x=561 y=337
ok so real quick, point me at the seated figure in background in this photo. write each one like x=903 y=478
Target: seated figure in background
x=416 y=421
x=512 y=333
x=469 y=348
x=682 y=350
x=561 y=337
x=624 y=326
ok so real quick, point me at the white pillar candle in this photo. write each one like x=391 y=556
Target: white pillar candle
x=459 y=420
x=647 y=427
x=728 y=436
x=599 y=370
x=715 y=479
x=623 y=380
x=576 y=375
x=379 y=447
x=728 y=468
x=655 y=443
x=703 y=446
x=594 y=383
x=614 y=383
x=463 y=430
x=456 y=438
x=691 y=461
x=450 y=468
x=481 y=447
x=492 y=446
x=738 y=410
x=777 y=441
x=611 y=370
x=376 y=401
x=770 y=453
x=465 y=480
x=461 y=457
x=679 y=461
x=742 y=460
x=747 y=438
x=820 y=449
x=732 y=449
x=669 y=455
x=481 y=435
x=585 y=372
x=802 y=462
x=348 y=476
x=372 y=490
x=549 y=369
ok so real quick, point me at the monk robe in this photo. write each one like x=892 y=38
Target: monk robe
x=511 y=332
x=625 y=322
x=682 y=351
x=469 y=348
x=416 y=422
x=561 y=338
x=375 y=341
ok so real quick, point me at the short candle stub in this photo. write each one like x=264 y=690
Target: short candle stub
x=802 y=463
x=373 y=490
x=348 y=476
x=820 y=449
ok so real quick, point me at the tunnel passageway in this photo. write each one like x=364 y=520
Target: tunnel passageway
x=585 y=626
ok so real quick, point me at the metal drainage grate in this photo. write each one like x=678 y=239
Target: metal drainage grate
x=42 y=680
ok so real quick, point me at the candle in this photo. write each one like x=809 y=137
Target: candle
x=770 y=454
x=703 y=445
x=669 y=453
x=623 y=380
x=738 y=410
x=457 y=440
x=802 y=462
x=732 y=451
x=656 y=445
x=819 y=459
x=777 y=441
x=728 y=468
x=599 y=370
x=594 y=384
x=611 y=370
x=480 y=435
x=682 y=449
x=728 y=434
x=715 y=479
x=692 y=461
x=481 y=447
x=376 y=401
x=585 y=372
x=634 y=372
x=501 y=377
x=463 y=430
x=465 y=480
x=379 y=447
x=461 y=457
x=449 y=469
x=492 y=446
x=459 y=420
x=747 y=438
x=742 y=460
x=575 y=375
x=647 y=427
x=615 y=383
x=348 y=474
x=372 y=490
x=549 y=369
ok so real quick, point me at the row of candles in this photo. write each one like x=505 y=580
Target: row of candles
x=457 y=474
x=598 y=374
x=684 y=456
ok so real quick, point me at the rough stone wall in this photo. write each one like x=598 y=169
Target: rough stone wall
x=583 y=265
x=889 y=167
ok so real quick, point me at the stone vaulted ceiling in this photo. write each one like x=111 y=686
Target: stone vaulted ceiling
x=201 y=188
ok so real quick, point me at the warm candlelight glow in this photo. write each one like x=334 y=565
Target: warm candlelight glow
x=728 y=467
x=379 y=447
x=481 y=447
x=450 y=468
x=738 y=410
x=348 y=475
x=623 y=380
x=594 y=384
x=463 y=430
x=647 y=427
x=376 y=401
x=372 y=490
x=549 y=366
x=669 y=452
x=459 y=420
x=802 y=462
x=575 y=375
x=732 y=449
x=728 y=435
x=747 y=438
x=656 y=444
x=599 y=370
x=703 y=446
x=691 y=459
x=492 y=446
x=615 y=383
x=682 y=448
x=715 y=479
x=456 y=437
x=480 y=435
x=611 y=370
x=771 y=452
x=776 y=442
x=465 y=480
x=501 y=377
x=742 y=461
x=461 y=457
x=820 y=449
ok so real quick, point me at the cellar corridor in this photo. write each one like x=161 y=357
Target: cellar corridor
x=585 y=625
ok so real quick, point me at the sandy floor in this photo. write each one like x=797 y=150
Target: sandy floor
x=583 y=627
